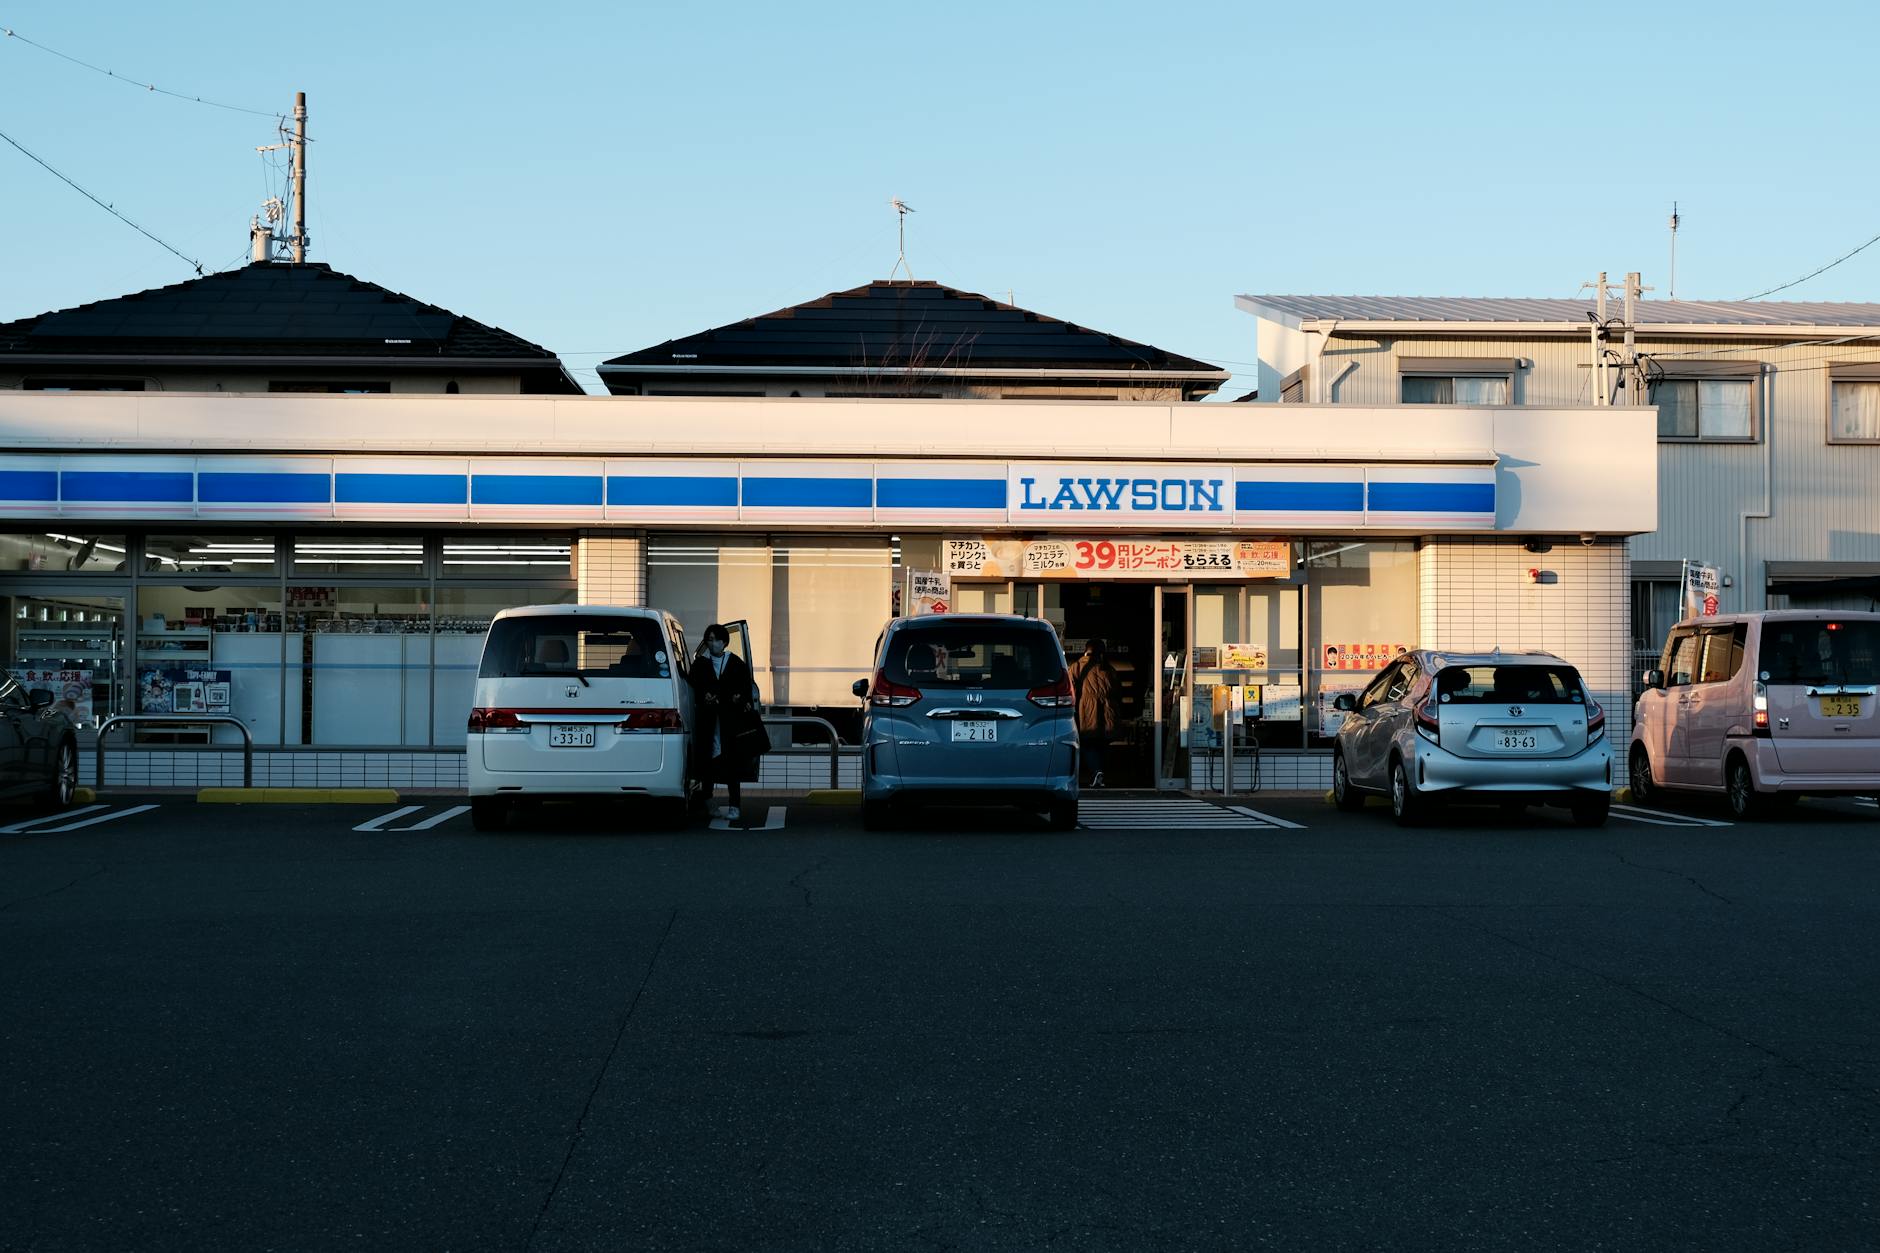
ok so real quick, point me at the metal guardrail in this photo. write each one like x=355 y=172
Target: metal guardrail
x=835 y=739
x=181 y=720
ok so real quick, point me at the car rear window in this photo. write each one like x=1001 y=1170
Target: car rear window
x=1820 y=651
x=973 y=655
x=578 y=645
x=1502 y=685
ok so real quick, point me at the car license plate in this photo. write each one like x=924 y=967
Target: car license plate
x=1514 y=743
x=571 y=735
x=1840 y=706
x=976 y=732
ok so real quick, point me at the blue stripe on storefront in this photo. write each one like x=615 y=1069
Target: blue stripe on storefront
x=1433 y=497
x=220 y=487
x=165 y=487
x=673 y=490
x=401 y=489
x=535 y=489
x=1285 y=496
x=940 y=493
x=29 y=484
x=805 y=493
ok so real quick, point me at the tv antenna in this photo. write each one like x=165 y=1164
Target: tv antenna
x=902 y=209
x=1673 y=294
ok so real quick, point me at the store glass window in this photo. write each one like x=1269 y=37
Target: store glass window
x=341 y=555
x=463 y=619
x=1363 y=614
x=215 y=650
x=512 y=556
x=702 y=579
x=209 y=554
x=830 y=598
x=363 y=664
x=62 y=552
x=71 y=644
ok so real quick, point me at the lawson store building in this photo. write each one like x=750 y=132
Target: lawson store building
x=323 y=566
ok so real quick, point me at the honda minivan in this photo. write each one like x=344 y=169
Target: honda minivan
x=579 y=700
x=1762 y=708
x=969 y=709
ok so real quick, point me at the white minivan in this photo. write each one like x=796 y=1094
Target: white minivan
x=579 y=700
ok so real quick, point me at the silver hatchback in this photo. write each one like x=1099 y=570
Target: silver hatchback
x=969 y=709
x=1514 y=729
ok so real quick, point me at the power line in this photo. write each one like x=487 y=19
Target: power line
x=196 y=265
x=1823 y=270
x=133 y=82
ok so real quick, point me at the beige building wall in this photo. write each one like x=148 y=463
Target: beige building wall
x=239 y=380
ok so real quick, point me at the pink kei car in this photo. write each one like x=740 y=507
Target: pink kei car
x=1762 y=707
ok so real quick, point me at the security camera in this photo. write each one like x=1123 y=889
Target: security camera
x=1588 y=540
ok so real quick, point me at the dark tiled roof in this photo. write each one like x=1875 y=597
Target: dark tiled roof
x=910 y=324
x=270 y=309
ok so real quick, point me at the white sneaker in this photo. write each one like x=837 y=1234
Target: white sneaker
x=1096 y=780
x=732 y=814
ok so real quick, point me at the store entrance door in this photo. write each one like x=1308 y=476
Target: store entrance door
x=1123 y=616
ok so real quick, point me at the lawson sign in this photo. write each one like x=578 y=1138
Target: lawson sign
x=1187 y=494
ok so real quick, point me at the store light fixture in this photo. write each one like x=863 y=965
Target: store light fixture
x=79 y=539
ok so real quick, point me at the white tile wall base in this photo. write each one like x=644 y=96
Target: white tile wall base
x=185 y=768
x=806 y=771
x=1302 y=771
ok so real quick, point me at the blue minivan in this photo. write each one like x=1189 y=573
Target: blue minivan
x=969 y=709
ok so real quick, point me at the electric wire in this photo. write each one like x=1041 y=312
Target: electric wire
x=134 y=82
x=195 y=265
x=1812 y=273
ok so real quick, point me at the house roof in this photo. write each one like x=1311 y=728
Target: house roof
x=274 y=311
x=1520 y=311
x=909 y=325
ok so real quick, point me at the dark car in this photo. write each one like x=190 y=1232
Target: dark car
x=38 y=746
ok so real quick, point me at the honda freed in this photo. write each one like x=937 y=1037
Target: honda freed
x=1762 y=707
x=579 y=700
x=969 y=709
x=1515 y=728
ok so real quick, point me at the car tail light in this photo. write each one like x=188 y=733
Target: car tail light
x=495 y=721
x=650 y=720
x=1759 y=710
x=1056 y=695
x=1595 y=720
x=885 y=692
x=1429 y=720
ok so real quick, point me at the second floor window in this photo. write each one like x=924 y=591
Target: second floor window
x=1856 y=417
x=1704 y=409
x=1458 y=389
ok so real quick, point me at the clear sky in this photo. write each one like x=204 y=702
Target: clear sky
x=602 y=177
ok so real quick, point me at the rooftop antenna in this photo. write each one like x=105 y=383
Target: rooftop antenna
x=902 y=208
x=1673 y=282
x=265 y=239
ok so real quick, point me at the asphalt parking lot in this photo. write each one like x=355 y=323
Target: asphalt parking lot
x=1188 y=1025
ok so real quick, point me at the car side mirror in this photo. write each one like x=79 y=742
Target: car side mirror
x=39 y=698
x=1344 y=702
x=1654 y=678
x=860 y=688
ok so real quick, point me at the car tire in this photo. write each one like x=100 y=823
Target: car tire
x=62 y=787
x=876 y=816
x=1739 y=789
x=1063 y=815
x=1592 y=811
x=1639 y=772
x=1406 y=805
x=489 y=813
x=1344 y=795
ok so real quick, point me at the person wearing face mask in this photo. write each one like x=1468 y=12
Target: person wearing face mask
x=728 y=733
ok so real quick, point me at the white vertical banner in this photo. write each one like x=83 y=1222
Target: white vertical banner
x=929 y=591
x=1703 y=589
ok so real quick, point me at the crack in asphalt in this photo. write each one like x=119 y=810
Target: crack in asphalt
x=1676 y=874
x=796 y=880
x=73 y=882
x=580 y=1123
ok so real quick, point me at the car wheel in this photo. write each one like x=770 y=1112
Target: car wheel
x=1739 y=787
x=1644 y=791
x=1592 y=811
x=489 y=813
x=1063 y=815
x=1344 y=795
x=1405 y=805
x=62 y=787
x=875 y=816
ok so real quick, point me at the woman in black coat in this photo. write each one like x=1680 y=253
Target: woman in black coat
x=728 y=732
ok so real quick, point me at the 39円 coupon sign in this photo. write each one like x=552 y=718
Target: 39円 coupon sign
x=1107 y=558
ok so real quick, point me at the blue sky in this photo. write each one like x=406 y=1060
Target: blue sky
x=601 y=177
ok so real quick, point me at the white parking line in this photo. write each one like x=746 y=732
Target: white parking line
x=18 y=827
x=378 y=823
x=92 y=821
x=1268 y=818
x=1175 y=813
x=436 y=819
x=773 y=821
x=1660 y=818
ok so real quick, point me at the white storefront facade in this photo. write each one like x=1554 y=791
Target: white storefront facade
x=322 y=567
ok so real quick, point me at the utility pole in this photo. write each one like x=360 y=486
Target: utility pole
x=1596 y=335
x=1635 y=387
x=298 y=244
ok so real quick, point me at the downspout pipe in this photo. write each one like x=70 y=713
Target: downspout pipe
x=1766 y=384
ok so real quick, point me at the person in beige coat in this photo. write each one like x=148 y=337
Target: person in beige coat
x=1099 y=714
